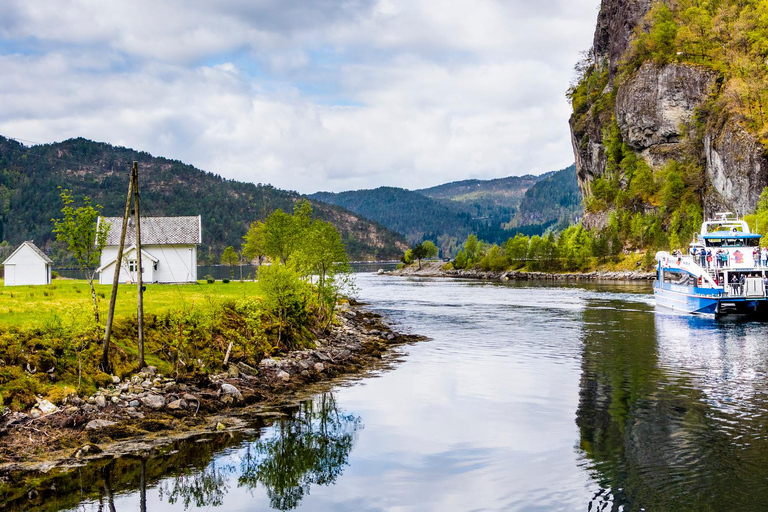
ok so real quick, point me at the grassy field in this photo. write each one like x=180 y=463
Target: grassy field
x=36 y=305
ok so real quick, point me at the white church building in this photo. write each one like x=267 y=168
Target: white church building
x=168 y=250
x=27 y=265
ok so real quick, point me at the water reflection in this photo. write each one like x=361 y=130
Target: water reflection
x=310 y=448
x=672 y=412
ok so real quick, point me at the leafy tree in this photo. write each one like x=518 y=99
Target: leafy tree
x=286 y=297
x=231 y=258
x=84 y=237
x=321 y=252
x=253 y=242
x=419 y=252
x=279 y=236
x=430 y=249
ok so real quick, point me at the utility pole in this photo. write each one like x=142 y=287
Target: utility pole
x=105 y=365
x=140 y=268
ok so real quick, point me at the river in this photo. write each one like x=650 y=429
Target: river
x=529 y=396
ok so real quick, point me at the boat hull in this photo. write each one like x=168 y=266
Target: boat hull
x=703 y=301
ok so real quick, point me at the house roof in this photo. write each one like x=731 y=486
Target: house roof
x=126 y=252
x=34 y=248
x=157 y=230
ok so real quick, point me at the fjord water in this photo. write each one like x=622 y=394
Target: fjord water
x=528 y=396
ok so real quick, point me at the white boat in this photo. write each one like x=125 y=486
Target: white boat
x=722 y=273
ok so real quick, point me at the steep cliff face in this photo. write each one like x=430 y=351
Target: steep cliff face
x=659 y=111
x=656 y=104
x=615 y=23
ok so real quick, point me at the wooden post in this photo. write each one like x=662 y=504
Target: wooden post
x=105 y=366
x=139 y=268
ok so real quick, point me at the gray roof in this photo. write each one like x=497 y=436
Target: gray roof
x=156 y=230
x=37 y=251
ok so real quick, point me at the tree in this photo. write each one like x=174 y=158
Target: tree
x=285 y=296
x=230 y=257
x=419 y=252
x=430 y=249
x=253 y=246
x=279 y=235
x=321 y=252
x=84 y=236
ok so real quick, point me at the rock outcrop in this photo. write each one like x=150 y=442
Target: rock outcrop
x=654 y=108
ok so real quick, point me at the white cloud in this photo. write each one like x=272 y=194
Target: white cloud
x=304 y=95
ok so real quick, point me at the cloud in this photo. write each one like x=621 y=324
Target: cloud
x=329 y=95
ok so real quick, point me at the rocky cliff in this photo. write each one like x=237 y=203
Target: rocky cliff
x=664 y=112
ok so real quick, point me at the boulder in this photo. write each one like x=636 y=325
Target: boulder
x=46 y=407
x=149 y=370
x=247 y=370
x=268 y=363
x=319 y=367
x=134 y=403
x=97 y=424
x=115 y=380
x=233 y=372
x=101 y=401
x=284 y=376
x=155 y=402
x=230 y=390
x=177 y=404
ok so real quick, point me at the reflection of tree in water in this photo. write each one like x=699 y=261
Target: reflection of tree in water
x=205 y=488
x=312 y=447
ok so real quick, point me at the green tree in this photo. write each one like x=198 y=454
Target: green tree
x=419 y=252
x=431 y=250
x=286 y=297
x=253 y=242
x=279 y=235
x=84 y=236
x=231 y=258
x=321 y=253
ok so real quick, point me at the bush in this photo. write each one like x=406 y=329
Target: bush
x=209 y=279
x=225 y=281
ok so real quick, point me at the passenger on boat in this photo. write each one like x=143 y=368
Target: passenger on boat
x=703 y=257
x=734 y=285
x=709 y=258
x=765 y=256
x=742 y=282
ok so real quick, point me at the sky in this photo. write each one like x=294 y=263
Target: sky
x=307 y=95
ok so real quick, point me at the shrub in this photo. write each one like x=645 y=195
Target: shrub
x=209 y=279
x=225 y=281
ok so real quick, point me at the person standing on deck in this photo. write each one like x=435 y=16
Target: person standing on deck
x=765 y=256
x=709 y=258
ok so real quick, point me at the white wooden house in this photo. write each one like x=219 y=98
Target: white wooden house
x=168 y=250
x=27 y=265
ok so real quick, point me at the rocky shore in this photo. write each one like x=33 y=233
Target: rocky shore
x=434 y=269
x=149 y=403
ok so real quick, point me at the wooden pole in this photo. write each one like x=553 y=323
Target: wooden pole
x=105 y=366
x=139 y=267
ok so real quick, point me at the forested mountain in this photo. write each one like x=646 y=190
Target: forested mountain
x=553 y=200
x=448 y=213
x=416 y=216
x=29 y=197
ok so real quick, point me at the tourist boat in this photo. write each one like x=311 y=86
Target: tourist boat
x=721 y=274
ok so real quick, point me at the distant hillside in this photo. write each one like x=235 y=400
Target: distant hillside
x=30 y=177
x=555 y=199
x=416 y=216
x=500 y=191
x=448 y=213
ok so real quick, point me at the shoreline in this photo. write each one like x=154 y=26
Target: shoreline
x=147 y=410
x=433 y=269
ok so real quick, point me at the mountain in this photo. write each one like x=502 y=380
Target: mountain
x=416 y=216
x=448 y=213
x=30 y=178
x=668 y=120
x=555 y=199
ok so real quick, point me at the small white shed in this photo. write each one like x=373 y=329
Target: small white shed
x=27 y=265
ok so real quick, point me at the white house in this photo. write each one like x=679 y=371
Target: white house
x=168 y=250
x=27 y=265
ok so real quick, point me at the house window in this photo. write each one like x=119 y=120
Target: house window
x=154 y=265
x=132 y=266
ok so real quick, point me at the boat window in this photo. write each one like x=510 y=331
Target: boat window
x=679 y=277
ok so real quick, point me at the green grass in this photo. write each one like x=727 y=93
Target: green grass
x=30 y=306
